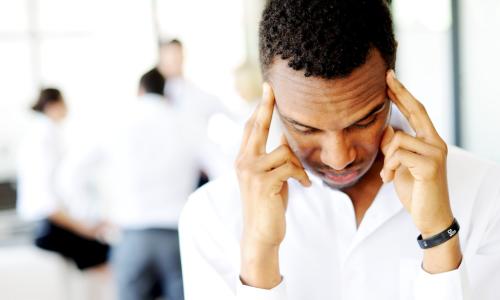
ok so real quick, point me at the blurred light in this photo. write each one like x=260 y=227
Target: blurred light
x=434 y=15
x=13 y=17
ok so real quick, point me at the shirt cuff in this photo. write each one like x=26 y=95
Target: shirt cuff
x=443 y=286
x=245 y=292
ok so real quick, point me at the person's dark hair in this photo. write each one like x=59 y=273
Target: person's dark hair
x=153 y=82
x=170 y=42
x=325 y=38
x=47 y=96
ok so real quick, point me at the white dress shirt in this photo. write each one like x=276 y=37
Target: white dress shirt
x=324 y=255
x=38 y=160
x=153 y=165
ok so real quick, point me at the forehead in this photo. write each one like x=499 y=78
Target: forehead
x=328 y=103
x=171 y=48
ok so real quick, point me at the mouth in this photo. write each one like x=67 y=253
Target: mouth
x=340 y=178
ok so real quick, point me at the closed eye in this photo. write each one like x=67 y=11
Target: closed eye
x=304 y=130
x=362 y=124
x=366 y=123
x=369 y=120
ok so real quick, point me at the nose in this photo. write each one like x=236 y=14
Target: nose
x=337 y=152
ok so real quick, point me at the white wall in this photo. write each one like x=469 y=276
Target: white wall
x=95 y=51
x=480 y=45
x=423 y=31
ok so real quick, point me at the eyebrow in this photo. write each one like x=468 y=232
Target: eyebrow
x=375 y=110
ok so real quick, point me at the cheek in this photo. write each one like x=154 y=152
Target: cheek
x=369 y=137
x=302 y=145
x=368 y=140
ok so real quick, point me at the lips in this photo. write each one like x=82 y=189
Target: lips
x=341 y=178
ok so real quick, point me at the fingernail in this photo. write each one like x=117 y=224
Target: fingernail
x=390 y=130
x=392 y=74
x=265 y=89
x=384 y=151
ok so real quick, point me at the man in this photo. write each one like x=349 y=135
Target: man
x=153 y=164
x=361 y=191
x=193 y=102
x=183 y=93
x=146 y=163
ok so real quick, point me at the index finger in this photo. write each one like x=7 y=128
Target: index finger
x=260 y=129
x=246 y=131
x=411 y=108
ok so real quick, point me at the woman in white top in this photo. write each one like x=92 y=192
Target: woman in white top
x=38 y=196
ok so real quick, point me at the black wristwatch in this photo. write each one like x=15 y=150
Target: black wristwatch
x=439 y=238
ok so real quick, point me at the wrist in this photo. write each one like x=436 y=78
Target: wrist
x=437 y=227
x=259 y=264
x=444 y=257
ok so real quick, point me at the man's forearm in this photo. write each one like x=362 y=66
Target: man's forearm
x=259 y=265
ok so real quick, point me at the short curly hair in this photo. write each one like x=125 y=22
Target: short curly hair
x=325 y=38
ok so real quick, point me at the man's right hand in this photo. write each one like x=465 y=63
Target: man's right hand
x=264 y=191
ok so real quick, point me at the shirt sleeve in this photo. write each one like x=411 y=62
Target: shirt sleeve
x=245 y=292
x=210 y=257
x=478 y=276
x=442 y=286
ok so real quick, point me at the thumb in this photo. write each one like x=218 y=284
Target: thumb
x=386 y=139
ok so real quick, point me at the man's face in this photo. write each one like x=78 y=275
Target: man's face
x=333 y=126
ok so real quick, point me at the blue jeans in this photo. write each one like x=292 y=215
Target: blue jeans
x=146 y=262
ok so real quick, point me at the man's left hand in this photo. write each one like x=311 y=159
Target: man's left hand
x=417 y=164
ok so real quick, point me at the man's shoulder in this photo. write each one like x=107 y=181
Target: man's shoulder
x=467 y=164
x=218 y=192
x=217 y=203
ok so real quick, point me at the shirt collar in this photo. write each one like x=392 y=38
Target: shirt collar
x=385 y=205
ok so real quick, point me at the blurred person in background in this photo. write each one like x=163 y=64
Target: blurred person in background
x=62 y=228
x=183 y=93
x=248 y=84
x=226 y=132
x=154 y=167
x=185 y=96
x=146 y=162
